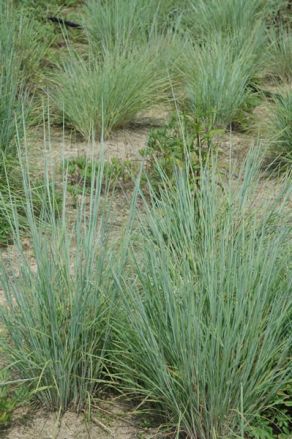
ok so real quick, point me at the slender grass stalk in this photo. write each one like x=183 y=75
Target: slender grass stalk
x=11 y=107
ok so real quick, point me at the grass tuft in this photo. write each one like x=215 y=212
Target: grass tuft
x=280 y=126
x=204 y=333
x=230 y=18
x=108 y=95
x=280 y=64
x=216 y=79
x=120 y=25
x=57 y=310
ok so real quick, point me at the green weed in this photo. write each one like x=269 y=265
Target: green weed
x=117 y=173
x=182 y=142
x=12 y=394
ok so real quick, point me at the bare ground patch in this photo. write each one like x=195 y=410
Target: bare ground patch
x=112 y=421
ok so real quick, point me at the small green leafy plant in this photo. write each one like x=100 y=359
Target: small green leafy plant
x=184 y=140
x=119 y=173
x=276 y=420
x=7 y=405
x=11 y=396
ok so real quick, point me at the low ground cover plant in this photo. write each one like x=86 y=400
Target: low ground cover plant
x=118 y=174
x=184 y=141
x=12 y=395
x=7 y=404
x=276 y=420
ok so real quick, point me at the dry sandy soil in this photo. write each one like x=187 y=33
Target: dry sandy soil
x=108 y=422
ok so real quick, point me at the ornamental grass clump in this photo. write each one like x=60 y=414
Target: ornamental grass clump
x=204 y=334
x=124 y=24
x=280 y=54
x=280 y=128
x=26 y=40
x=228 y=17
x=105 y=95
x=11 y=82
x=59 y=301
x=216 y=77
